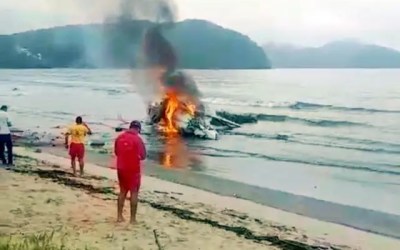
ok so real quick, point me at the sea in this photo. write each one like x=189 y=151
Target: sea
x=329 y=134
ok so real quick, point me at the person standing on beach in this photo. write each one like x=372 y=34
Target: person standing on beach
x=130 y=151
x=76 y=145
x=5 y=136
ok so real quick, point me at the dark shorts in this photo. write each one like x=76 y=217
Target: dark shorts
x=77 y=150
x=129 y=180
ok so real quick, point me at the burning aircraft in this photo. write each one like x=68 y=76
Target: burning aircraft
x=179 y=109
x=179 y=112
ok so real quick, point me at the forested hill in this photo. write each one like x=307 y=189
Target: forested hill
x=199 y=45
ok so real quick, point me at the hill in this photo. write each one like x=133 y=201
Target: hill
x=199 y=45
x=338 y=54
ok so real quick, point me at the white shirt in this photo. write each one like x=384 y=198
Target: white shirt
x=4 y=122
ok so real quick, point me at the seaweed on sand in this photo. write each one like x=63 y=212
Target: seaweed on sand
x=64 y=178
x=240 y=231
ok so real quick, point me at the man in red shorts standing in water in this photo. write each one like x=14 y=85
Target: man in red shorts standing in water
x=130 y=151
x=76 y=145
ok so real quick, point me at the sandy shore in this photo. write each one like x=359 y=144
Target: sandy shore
x=196 y=176
x=83 y=218
x=83 y=212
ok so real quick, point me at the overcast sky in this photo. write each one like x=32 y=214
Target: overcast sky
x=303 y=22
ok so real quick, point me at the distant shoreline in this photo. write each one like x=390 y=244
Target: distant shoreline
x=335 y=54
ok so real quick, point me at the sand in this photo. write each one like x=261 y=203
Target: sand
x=351 y=216
x=183 y=217
x=31 y=205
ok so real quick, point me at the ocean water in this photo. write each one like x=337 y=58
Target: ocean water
x=333 y=135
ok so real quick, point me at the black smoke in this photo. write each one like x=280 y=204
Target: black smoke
x=157 y=51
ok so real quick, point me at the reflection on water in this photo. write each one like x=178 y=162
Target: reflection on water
x=173 y=152
x=166 y=160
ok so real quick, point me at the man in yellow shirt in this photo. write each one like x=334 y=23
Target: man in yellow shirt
x=77 y=134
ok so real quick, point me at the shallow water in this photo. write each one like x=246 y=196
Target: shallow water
x=329 y=134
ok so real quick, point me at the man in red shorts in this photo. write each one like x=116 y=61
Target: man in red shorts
x=77 y=133
x=130 y=151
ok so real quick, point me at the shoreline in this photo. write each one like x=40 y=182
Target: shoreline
x=355 y=217
x=312 y=228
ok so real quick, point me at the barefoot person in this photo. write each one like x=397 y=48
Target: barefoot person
x=130 y=151
x=77 y=134
x=5 y=137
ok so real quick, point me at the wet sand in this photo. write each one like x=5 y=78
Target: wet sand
x=243 y=220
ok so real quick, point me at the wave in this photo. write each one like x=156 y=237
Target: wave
x=62 y=113
x=376 y=168
x=246 y=103
x=254 y=118
x=280 y=137
x=306 y=105
x=113 y=91
x=56 y=115
x=387 y=148
x=350 y=140
x=295 y=105
x=320 y=123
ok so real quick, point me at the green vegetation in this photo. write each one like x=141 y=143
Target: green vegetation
x=43 y=241
x=199 y=44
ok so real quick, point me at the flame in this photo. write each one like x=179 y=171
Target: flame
x=191 y=109
x=170 y=113
x=175 y=105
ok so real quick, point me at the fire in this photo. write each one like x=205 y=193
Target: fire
x=174 y=108
x=191 y=109
x=170 y=112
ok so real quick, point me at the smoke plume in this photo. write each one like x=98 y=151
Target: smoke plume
x=158 y=55
x=117 y=42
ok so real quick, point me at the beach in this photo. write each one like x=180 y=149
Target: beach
x=255 y=129
x=86 y=219
x=81 y=217
x=40 y=195
x=296 y=137
x=315 y=168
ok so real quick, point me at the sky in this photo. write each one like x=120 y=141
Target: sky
x=300 y=22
